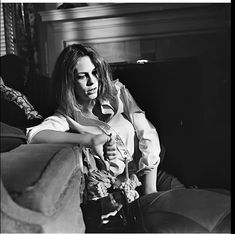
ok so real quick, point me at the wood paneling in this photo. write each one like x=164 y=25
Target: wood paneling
x=125 y=26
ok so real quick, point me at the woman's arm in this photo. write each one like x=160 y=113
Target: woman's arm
x=53 y=136
x=150 y=181
x=89 y=140
x=149 y=144
x=55 y=130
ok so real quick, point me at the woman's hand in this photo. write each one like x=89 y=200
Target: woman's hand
x=97 y=142
x=110 y=149
x=103 y=145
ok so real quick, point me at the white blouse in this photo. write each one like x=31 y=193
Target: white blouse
x=125 y=122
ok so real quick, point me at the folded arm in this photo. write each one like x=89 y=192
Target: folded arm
x=149 y=144
x=55 y=129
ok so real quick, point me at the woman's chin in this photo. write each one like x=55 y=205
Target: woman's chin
x=92 y=96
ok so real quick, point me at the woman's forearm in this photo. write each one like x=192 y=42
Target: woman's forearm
x=150 y=181
x=95 y=142
x=52 y=136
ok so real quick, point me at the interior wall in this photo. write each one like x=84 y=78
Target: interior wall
x=127 y=32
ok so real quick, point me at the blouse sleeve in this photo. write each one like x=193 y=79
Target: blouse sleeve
x=55 y=122
x=147 y=135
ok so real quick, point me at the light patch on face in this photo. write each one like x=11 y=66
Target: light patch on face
x=86 y=82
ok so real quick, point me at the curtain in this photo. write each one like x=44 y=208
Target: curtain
x=20 y=30
x=8 y=21
x=26 y=31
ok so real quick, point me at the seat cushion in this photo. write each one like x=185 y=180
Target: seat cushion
x=186 y=211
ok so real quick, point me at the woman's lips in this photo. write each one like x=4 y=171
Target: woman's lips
x=91 y=91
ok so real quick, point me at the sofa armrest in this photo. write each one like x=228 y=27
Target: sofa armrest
x=46 y=179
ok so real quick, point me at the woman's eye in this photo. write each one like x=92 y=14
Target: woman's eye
x=79 y=77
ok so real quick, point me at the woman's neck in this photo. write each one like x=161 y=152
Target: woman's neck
x=93 y=110
x=88 y=106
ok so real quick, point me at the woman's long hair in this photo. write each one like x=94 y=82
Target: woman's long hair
x=63 y=77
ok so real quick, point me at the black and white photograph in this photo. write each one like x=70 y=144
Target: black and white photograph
x=115 y=116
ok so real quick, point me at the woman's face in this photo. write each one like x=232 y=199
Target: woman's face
x=86 y=82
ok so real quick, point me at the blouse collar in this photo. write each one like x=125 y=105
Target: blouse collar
x=106 y=107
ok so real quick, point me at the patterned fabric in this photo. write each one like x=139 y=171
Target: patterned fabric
x=100 y=184
x=20 y=100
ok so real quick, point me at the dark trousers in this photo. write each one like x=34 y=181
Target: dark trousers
x=124 y=221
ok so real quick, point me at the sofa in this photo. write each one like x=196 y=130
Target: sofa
x=42 y=187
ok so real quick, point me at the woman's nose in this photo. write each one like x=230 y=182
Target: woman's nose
x=91 y=79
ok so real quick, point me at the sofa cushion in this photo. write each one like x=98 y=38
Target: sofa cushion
x=186 y=211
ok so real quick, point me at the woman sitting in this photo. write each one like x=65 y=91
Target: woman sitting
x=99 y=114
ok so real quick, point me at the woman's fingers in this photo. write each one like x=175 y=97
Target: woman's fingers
x=100 y=139
x=111 y=140
x=109 y=145
x=110 y=150
x=111 y=157
x=97 y=143
x=110 y=153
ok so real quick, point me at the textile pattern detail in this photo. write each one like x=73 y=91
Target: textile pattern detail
x=20 y=100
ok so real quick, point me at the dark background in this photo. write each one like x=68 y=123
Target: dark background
x=188 y=101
